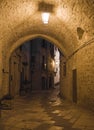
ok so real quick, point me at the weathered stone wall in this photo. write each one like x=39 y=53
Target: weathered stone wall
x=83 y=62
x=0 y=73
x=66 y=78
x=14 y=75
x=85 y=67
x=5 y=75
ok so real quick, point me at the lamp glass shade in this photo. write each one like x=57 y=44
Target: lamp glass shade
x=45 y=17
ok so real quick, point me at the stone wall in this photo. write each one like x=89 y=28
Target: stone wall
x=0 y=73
x=85 y=67
x=83 y=62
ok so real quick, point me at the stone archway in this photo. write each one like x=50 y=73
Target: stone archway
x=9 y=52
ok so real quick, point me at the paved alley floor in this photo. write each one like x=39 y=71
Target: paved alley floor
x=45 y=111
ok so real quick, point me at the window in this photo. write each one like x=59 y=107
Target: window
x=44 y=44
x=33 y=62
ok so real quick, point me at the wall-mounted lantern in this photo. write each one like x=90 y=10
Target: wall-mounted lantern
x=53 y=64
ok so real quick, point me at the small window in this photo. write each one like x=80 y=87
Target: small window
x=33 y=59
x=33 y=62
x=44 y=44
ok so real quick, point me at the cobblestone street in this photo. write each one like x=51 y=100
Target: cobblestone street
x=45 y=111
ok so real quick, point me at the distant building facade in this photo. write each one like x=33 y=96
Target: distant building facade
x=42 y=64
x=34 y=66
x=57 y=66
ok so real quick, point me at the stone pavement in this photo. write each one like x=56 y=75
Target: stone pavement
x=45 y=111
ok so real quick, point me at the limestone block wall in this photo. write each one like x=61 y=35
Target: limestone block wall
x=4 y=76
x=66 y=78
x=85 y=67
x=83 y=62
x=14 y=85
x=0 y=72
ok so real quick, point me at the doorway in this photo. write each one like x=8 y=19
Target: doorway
x=74 y=83
x=44 y=83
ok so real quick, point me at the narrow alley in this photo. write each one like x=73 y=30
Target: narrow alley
x=44 y=110
x=46 y=64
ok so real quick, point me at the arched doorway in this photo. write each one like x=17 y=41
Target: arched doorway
x=42 y=68
x=20 y=42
